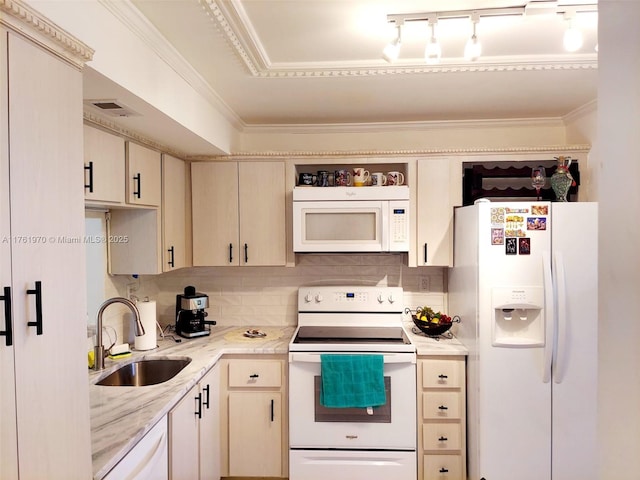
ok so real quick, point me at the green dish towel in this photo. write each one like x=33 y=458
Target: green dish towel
x=352 y=381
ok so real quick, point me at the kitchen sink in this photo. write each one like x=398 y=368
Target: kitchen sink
x=147 y=371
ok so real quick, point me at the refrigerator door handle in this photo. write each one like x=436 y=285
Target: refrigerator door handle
x=549 y=314
x=561 y=303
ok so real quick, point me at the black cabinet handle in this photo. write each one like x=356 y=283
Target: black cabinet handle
x=425 y=253
x=444 y=470
x=442 y=407
x=198 y=399
x=37 y=291
x=443 y=439
x=171 y=258
x=230 y=252
x=206 y=402
x=8 y=333
x=272 y=410
x=246 y=256
x=254 y=375
x=89 y=168
x=442 y=376
x=137 y=179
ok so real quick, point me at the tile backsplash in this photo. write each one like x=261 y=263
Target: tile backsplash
x=261 y=296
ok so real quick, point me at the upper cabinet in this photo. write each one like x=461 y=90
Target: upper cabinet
x=238 y=213
x=435 y=199
x=174 y=213
x=103 y=166
x=143 y=171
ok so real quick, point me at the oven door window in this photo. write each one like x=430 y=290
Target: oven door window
x=381 y=414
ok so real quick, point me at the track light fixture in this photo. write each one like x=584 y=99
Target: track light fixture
x=392 y=51
x=433 y=50
x=572 y=39
x=473 y=49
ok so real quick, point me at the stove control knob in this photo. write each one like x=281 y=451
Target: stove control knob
x=308 y=297
x=319 y=298
x=380 y=298
x=391 y=298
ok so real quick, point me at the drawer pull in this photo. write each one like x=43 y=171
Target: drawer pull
x=444 y=470
x=443 y=407
x=443 y=439
x=254 y=375
x=443 y=376
x=351 y=437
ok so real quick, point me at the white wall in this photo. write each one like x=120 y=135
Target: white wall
x=481 y=134
x=618 y=170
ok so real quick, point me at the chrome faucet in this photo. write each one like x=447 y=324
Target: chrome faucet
x=98 y=350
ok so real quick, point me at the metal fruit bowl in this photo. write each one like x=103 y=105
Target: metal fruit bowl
x=433 y=329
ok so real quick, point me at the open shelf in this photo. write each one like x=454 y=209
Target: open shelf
x=511 y=181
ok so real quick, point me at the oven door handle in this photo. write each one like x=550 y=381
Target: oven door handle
x=388 y=357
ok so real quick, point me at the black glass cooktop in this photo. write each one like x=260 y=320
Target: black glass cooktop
x=333 y=334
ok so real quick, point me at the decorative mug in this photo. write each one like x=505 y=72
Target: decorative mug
x=323 y=178
x=342 y=178
x=360 y=176
x=395 y=178
x=306 y=179
x=378 y=179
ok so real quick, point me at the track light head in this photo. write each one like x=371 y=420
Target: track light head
x=433 y=51
x=392 y=51
x=473 y=49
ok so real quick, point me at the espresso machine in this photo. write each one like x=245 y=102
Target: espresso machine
x=190 y=314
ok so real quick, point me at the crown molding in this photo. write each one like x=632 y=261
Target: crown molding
x=236 y=26
x=372 y=127
x=395 y=154
x=586 y=109
x=137 y=23
x=23 y=19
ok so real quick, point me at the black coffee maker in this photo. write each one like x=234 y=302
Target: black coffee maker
x=190 y=314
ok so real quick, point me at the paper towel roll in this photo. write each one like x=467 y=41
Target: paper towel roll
x=148 y=317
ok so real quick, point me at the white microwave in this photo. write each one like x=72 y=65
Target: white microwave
x=351 y=219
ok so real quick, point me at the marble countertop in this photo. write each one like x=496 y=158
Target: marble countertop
x=121 y=416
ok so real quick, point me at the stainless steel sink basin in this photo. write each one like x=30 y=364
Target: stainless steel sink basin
x=149 y=371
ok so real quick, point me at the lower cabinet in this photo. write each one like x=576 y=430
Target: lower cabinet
x=253 y=404
x=194 y=432
x=148 y=460
x=441 y=418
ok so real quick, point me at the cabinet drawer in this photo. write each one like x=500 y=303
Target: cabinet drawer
x=247 y=373
x=443 y=467
x=442 y=373
x=442 y=436
x=439 y=405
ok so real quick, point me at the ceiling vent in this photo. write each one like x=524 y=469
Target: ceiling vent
x=113 y=108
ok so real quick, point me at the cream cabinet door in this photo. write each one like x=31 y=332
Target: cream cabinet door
x=47 y=263
x=8 y=438
x=434 y=215
x=210 y=425
x=143 y=168
x=104 y=159
x=255 y=434
x=184 y=443
x=214 y=207
x=262 y=213
x=174 y=179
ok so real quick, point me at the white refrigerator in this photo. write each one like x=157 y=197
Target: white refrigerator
x=525 y=284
